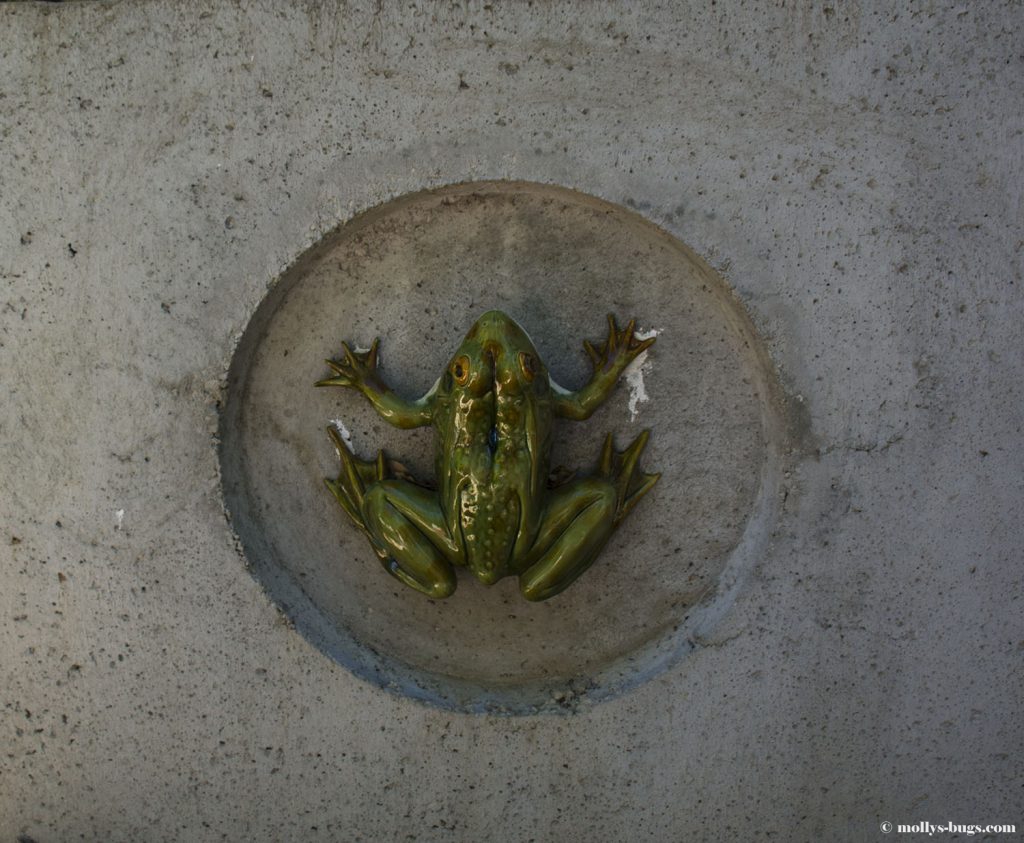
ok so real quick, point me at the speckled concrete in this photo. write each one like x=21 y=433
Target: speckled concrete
x=852 y=172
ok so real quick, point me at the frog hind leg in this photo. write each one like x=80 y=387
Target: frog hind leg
x=407 y=528
x=580 y=518
x=576 y=524
x=402 y=521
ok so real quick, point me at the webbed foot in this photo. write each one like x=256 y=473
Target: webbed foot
x=355 y=476
x=357 y=370
x=620 y=468
x=620 y=348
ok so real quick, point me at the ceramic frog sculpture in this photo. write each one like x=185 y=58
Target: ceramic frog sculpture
x=494 y=510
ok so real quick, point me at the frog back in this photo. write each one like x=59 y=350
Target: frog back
x=493 y=459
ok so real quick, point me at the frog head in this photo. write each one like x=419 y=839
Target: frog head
x=496 y=357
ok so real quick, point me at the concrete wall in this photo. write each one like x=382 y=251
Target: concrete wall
x=851 y=172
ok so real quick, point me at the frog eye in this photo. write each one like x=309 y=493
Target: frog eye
x=528 y=363
x=460 y=369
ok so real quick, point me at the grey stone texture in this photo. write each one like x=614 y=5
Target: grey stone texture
x=852 y=172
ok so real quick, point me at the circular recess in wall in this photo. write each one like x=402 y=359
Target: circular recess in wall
x=417 y=272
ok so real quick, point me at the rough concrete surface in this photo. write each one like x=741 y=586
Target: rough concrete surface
x=852 y=171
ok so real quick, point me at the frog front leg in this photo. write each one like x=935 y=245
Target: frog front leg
x=403 y=522
x=580 y=518
x=358 y=370
x=609 y=361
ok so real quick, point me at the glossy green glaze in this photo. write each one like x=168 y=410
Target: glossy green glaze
x=495 y=509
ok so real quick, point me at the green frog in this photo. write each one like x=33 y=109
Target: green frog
x=496 y=509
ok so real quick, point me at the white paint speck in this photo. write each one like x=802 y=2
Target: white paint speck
x=361 y=350
x=346 y=437
x=119 y=515
x=635 y=375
